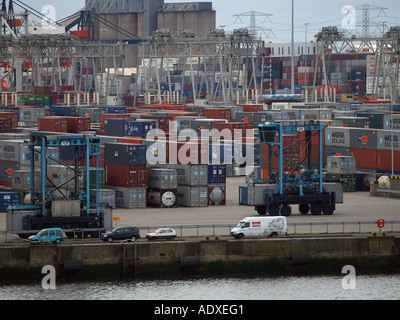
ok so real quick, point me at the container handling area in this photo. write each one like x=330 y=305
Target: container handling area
x=160 y=120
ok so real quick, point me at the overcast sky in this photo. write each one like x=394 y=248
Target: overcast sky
x=319 y=13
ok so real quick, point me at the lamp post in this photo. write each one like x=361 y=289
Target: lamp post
x=305 y=54
x=292 y=49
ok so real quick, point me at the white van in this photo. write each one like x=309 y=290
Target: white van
x=260 y=227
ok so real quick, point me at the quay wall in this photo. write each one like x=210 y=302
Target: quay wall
x=208 y=257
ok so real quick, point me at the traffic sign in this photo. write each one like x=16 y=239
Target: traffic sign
x=381 y=223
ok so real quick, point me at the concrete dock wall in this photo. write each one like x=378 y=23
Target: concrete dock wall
x=212 y=257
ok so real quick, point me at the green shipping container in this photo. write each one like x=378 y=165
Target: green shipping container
x=375 y=119
x=348 y=181
x=42 y=99
x=94 y=183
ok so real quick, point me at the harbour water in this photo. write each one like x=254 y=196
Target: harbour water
x=327 y=287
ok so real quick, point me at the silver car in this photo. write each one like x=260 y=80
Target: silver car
x=162 y=233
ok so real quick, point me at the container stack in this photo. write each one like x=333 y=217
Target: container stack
x=163 y=188
x=217 y=184
x=126 y=173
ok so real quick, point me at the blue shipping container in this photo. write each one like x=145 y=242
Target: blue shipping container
x=8 y=198
x=63 y=111
x=132 y=128
x=216 y=173
x=243 y=195
x=125 y=154
x=113 y=109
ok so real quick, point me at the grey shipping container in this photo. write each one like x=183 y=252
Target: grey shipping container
x=391 y=121
x=363 y=138
x=92 y=113
x=335 y=187
x=337 y=137
x=163 y=179
x=6 y=170
x=129 y=198
x=341 y=164
x=105 y=196
x=62 y=177
x=253 y=173
x=21 y=180
x=255 y=193
x=192 y=196
x=355 y=122
x=10 y=150
x=387 y=138
x=335 y=151
x=191 y=175
x=16 y=220
x=31 y=115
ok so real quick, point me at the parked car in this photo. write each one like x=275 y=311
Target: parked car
x=121 y=233
x=162 y=233
x=48 y=235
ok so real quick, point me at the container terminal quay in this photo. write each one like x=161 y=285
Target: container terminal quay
x=125 y=118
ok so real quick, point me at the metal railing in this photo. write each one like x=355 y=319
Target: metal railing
x=300 y=228
x=213 y=230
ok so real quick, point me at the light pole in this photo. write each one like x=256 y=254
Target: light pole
x=292 y=49
x=305 y=55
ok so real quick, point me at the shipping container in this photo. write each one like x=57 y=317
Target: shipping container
x=77 y=124
x=216 y=174
x=391 y=121
x=6 y=170
x=63 y=111
x=105 y=116
x=103 y=197
x=122 y=127
x=130 y=197
x=63 y=177
x=163 y=179
x=92 y=113
x=341 y=165
x=200 y=125
x=337 y=137
x=384 y=160
x=191 y=175
x=21 y=180
x=52 y=124
x=5 y=125
x=355 y=122
x=125 y=154
x=13 y=116
x=9 y=198
x=348 y=181
x=192 y=196
x=217 y=113
x=388 y=140
x=126 y=176
x=366 y=158
x=363 y=138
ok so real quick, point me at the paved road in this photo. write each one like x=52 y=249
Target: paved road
x=357 y=206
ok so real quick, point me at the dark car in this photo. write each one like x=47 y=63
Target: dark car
x=121 y=233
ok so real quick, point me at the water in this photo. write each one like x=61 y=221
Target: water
x=367 y=287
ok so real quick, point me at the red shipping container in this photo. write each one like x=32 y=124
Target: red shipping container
x=184 y=152
x=43 y=90
x=236 y=129
x=131 y=140
x=175 y=107
x=384 y=160
x=126 y=176
x=365 y=158
x=251 y=107
x=5 y=125
x=13 y=116
x=77 y=124
x=52 y=124
x=217 y=113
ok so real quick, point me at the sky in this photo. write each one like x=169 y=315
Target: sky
x=318 y=13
